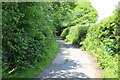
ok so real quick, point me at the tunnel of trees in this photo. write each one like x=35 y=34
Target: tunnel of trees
x=30 y=30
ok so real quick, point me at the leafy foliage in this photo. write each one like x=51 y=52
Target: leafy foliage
x=70 y=14
x=101 y=41
x=65 y=33
x=84 y=13
x=61 y=13
x=75 y=34
x=28 y=34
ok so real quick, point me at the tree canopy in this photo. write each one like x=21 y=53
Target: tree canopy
x=67 y=14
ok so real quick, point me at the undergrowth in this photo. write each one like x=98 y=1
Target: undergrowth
x=39 y=66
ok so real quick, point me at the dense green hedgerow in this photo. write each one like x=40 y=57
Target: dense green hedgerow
x=75 y=34
x=72 y=37
x=40 y=66
x=28 y=35
x=101 y=41
x=65 y=33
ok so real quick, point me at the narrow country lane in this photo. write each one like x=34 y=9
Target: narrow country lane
x=71 y=62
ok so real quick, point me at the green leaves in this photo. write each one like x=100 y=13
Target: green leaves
x=75 y=34
x=101 y=41
x=65 y=33
x=84 y=13
x=28 y=33
x=70 y=14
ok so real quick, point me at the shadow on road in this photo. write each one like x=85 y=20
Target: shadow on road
x=62 y=66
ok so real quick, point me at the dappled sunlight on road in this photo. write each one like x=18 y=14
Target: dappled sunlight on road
x=70 y=62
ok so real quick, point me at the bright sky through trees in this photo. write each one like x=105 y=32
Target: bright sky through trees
x=104 y=7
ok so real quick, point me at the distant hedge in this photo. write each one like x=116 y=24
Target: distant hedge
x=75 y=34
x=65 y=33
